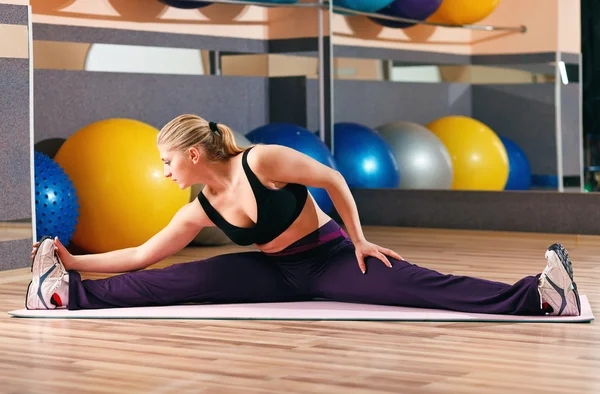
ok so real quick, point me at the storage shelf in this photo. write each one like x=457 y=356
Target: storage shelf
x=326 y=5
x=520 y=29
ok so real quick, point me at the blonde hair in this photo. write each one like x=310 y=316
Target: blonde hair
x=186 y=131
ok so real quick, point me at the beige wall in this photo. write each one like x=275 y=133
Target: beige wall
x=569 y=26
x=273 y=65
x=285 y=22
x=539 y=16
x=14 y=42
x=60 y=55
x=490 y=75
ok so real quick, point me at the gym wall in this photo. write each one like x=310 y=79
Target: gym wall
x=15 y=179
x=268 y=54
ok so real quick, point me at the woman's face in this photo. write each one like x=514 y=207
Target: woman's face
x=177 y=166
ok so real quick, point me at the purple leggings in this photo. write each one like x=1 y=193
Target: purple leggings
x=321 y=265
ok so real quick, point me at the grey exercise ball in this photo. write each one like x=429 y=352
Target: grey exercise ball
x=424 y=160
x=214 y=236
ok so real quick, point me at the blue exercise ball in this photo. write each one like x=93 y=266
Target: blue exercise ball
x=362 y=5
x=410 y=9
x=302 y=140
x=56 y=201
x=364 y=158
x=185 y=4
x=519 y=169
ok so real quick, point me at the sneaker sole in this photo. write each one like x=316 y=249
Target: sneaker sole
x=45 y=237
x=564 y=258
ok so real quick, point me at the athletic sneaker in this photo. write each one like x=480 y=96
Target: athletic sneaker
x=556 y=286
x=48 y=277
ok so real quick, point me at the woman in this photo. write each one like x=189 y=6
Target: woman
x=258 y=196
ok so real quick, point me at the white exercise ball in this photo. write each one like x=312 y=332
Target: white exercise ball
x=423 y=159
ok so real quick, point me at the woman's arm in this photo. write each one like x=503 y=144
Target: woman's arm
x=282 y=164
x=181 y=230
x=345 y=205
x=287 y=165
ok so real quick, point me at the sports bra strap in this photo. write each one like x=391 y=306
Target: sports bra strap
x=257 y=187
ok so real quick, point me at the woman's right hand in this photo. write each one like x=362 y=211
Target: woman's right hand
x=64 y=255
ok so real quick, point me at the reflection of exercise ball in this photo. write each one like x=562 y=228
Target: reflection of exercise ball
x=463 y=12
x=223 y=13
x=214 y=236
x=124 y=197
x=49 y=6
x=277 y=2
x=478 y=156
x=410 y=9
x=56 y=203
x=138 y=10
x=519 y=170
x=364 y=158
x=423 y=159
x=186 y=5
x=302 y=140
x=362 y=5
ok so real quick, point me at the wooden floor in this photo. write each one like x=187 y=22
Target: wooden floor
x=151 y=356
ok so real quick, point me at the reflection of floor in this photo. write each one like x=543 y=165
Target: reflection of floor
x=574 y=189
x=570 y=189
x=11 y=230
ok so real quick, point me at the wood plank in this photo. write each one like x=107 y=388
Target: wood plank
x=321 y=356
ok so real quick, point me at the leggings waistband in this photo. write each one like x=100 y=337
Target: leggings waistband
x=326 y=233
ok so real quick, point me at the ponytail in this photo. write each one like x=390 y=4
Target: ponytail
x=227 y=139
x=186 y=131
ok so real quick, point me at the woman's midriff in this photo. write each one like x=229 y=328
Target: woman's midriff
x=311 y=218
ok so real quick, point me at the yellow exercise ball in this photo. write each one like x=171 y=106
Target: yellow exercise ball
x=124 y=197
x=463 y=12
x=479 y=158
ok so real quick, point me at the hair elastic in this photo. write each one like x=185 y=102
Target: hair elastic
x=214 y=128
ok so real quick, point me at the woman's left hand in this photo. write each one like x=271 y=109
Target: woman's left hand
x=366 y=248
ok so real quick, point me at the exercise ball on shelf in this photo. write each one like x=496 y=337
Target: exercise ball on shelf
x=302 y=140
x=137 y=10
x=124 y=197
x=519 y=169
x=275 y=2
x=463 y=12
x=479 y=158
x=423 y=159
x=410 y=9
x=361 y=5
x=186 y=5
x=56 y=201
x=364 y=158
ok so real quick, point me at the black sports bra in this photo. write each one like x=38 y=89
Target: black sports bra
x=277 y=210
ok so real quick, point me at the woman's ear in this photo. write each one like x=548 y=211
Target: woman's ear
x=194 y=154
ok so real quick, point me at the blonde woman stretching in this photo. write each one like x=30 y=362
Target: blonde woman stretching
x=259 y=196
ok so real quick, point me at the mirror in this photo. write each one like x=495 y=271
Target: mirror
x=404 y=85
x=240 y=65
